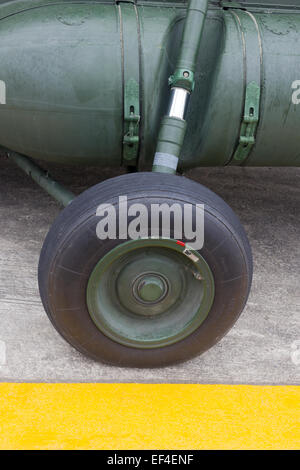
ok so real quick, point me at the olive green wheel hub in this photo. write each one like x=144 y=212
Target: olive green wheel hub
x=150 y=288
x=150 y=293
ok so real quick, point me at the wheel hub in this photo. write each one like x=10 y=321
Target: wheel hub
x=150 y=288
x=150 y=293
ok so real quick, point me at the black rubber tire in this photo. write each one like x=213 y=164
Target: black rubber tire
x=72 y=249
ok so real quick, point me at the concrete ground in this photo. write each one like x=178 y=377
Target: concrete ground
x=263 y=347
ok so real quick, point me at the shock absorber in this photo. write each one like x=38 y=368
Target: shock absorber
x=182 y=82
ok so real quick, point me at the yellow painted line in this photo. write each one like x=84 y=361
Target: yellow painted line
x=146 y=416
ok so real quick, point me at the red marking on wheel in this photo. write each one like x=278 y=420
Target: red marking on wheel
x=180 y=243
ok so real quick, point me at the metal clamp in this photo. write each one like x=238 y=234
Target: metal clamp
x=130 y=40
x=249 y=123
x=131 y=121
x=252 y=50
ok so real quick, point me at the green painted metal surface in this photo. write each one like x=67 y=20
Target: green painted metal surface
x=67 y=69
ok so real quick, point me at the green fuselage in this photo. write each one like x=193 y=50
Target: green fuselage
x=72 y=72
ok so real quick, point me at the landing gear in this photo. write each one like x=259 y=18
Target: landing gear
x=145 y=302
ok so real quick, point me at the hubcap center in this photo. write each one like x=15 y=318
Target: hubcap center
x=150 y=288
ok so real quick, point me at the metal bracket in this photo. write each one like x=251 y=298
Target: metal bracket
x=130 y=40
x=252 y=59
x=131 y=120
x=250 y=122
x=184 y=79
